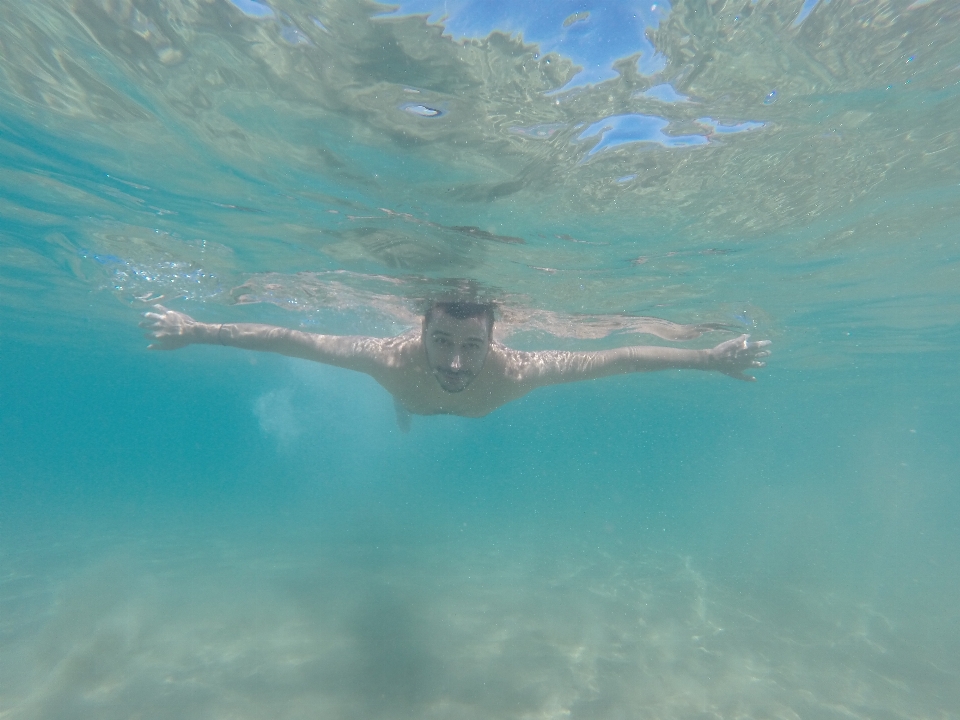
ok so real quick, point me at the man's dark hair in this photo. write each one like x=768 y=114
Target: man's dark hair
x=463 y=311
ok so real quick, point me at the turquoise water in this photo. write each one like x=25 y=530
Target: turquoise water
x=209 y=533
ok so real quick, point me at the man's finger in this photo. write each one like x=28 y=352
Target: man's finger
x=161 y=308
x=761 y=343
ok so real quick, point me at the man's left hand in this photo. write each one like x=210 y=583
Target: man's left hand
x=734 y=356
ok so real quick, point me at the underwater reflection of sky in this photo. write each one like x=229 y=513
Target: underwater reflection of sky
x=593 y=37
x=808 y=6
x=722 y=129
x=665 y=93
x=253 y=8
x=622 y=129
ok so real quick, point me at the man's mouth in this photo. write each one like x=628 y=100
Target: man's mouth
x=455 y=379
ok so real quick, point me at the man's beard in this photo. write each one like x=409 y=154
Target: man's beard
x=462 y=382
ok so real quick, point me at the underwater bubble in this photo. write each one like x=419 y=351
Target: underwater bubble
x=771 y=98
x=421 y=110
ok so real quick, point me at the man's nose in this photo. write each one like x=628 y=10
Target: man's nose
x=455 y=362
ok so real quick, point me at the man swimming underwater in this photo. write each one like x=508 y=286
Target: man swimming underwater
x=452 y=365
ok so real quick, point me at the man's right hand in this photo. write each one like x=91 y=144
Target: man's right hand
x=171 y=330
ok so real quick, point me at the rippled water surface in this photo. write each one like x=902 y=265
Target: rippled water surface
x=210 y=533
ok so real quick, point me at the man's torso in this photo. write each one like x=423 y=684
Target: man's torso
x=405 y=374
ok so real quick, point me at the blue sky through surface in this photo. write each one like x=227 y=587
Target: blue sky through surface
x=594 y=37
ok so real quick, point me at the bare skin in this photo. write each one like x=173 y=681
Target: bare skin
x=451 y=366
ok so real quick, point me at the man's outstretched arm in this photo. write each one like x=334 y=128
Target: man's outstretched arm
x=733 y=357
x=171 y=330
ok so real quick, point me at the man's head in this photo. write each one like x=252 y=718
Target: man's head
x=456 y=336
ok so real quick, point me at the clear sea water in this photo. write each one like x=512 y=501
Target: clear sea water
x=209 y=533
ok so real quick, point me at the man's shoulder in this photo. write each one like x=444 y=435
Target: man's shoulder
x=529 y=367
x=521 y=357
x=396 y=350
x=404 y=341
x=516 y=365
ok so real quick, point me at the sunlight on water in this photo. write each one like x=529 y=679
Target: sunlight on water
x=213 y=534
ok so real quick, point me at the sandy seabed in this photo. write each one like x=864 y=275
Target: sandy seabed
x=214 y=627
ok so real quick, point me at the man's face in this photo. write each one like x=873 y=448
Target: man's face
x=456 y=349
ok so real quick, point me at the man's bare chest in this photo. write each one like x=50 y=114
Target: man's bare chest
x=420 y=393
